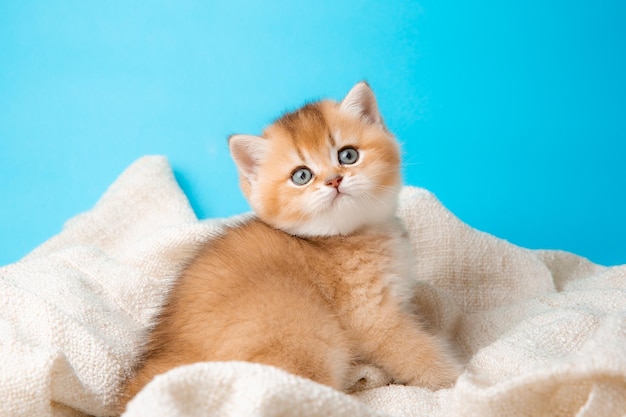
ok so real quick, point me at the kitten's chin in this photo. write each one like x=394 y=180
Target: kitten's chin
x=345 y=216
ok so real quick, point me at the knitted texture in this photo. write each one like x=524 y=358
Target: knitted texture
x=543 y=333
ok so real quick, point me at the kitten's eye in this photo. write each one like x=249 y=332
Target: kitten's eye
x=348 y=156
x=301 y=176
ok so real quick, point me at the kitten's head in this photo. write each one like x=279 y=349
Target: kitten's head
x=326 y=169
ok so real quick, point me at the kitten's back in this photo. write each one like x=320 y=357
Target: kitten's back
x=249 y=296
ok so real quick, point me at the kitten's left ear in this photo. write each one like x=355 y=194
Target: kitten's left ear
x=361 y=102
x=248 y=151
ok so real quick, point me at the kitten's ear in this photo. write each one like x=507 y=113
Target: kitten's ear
x=360 y=102
x=248 y=152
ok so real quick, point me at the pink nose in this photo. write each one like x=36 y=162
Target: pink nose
x=334 y=182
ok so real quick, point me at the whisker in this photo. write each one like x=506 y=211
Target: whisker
x=373 y=199
x=380 y=171
x=378 y=167
x=411 y=161
x=384 y=187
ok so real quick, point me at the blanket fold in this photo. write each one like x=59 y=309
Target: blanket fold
x=543 y=333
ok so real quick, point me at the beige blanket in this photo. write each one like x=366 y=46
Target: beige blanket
x=543 y=333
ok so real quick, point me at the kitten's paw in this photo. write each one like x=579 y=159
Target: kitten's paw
x=438 y=375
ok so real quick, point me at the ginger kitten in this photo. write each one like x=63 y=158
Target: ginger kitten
x=321 y=277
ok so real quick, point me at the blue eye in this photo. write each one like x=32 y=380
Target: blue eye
x=348 y=156
x=301 y=176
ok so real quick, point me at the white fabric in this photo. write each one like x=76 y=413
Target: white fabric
x=543 y=333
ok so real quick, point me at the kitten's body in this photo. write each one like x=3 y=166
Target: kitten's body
x=321 y=278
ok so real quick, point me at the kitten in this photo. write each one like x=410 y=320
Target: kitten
x=321 y=278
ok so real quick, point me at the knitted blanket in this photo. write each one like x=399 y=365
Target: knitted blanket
x=542 y=333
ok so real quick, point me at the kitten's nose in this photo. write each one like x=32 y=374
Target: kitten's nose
x=335 y=181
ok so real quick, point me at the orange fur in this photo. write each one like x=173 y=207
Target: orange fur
x=307 y=303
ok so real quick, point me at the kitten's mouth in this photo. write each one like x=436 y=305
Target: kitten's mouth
x=339 y=195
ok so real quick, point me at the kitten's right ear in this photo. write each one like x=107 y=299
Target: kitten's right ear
x=248 y=151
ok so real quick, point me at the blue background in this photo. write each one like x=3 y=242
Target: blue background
x=513 y=113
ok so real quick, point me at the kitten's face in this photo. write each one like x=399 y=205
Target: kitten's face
x=327 y=169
